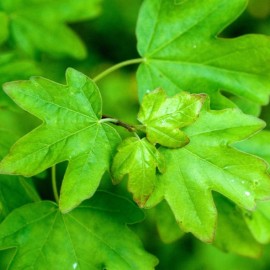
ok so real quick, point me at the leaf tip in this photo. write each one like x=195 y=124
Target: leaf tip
x=9 y=86
x=70 y=71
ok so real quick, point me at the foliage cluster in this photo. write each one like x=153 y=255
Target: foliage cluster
x=178 y=152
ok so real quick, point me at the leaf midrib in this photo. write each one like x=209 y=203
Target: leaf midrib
x=29 y=223
x=50 y=145
x=203 y=64
x=159 y=131
x=216 y=166
x=224 y=130
x=165 y=44
x=98 y=238
x=45 y=241
x=54 y=104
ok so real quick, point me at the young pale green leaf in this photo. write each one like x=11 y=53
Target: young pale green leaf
x=71 y=130
x=209 y=163
x=41 y=25
x=139 y=159
x=258 y=221
x=163 y=116
x=232 y=233
x=181 y=51
x=93 y=236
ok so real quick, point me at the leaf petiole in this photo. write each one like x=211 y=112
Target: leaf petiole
x=117 y=66
x=117 y=122
x=130 y=128
x=136 y=135
x=54 y=184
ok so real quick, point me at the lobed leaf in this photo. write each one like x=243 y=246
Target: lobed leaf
x=189 y=56
x=163 y=116
x=209 y=163
x=232 y=233
x=15 y=191
x=93 y=236
x=71 y=130
x=258 y=222
x=257 y=145
x=167 y=227
x=139 y=159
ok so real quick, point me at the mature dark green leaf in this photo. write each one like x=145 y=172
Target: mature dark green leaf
x=207 y=163
x=42 y=24
x=233 y=234
x=15 y=191
x=139 y=159
x=93 y=236
x=163 y=116
x=72 y=130
x=181 y=51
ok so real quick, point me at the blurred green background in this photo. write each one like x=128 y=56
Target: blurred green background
x=109 y=39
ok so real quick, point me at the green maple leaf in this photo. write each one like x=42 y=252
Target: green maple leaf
x=93 y=236
x=257 y=145
x=232 y=233
x=258 y=222
x=139 y=159
x=163 y=116
x=71 y=130
x=167 y=227
x=209 y=163
x=42 y=24
x=181 y=51
x=15 y=191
